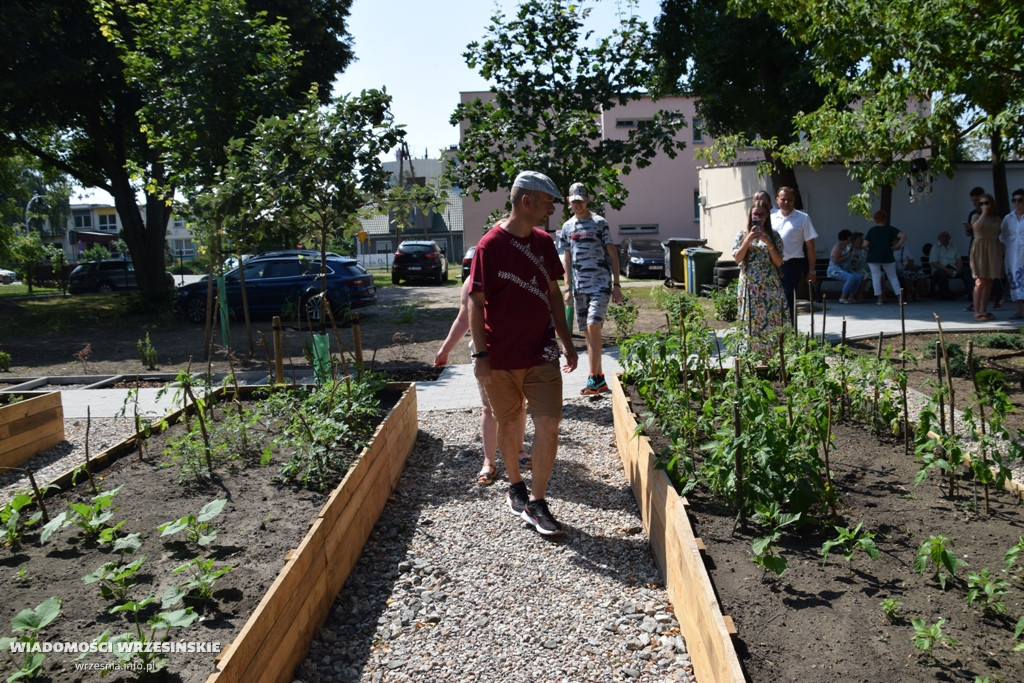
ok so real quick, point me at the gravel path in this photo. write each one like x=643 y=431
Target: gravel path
x=47 y=465
x=452 y=587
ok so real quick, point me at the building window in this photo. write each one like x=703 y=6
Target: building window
x=637 y=229
x=383 y=246
x=698 y=129
x=82 y=219
x=183 y=249
x=178 y=224
x=107 y=221
x=632 y=123
x=696 y=205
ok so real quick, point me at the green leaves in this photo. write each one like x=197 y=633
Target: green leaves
x=551 y=81
x=944 y=562
x=199 y=532
x=850 y=542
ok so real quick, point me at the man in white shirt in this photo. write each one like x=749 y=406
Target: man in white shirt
x=797 y=232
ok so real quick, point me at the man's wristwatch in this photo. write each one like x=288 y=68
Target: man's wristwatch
x=479 y=354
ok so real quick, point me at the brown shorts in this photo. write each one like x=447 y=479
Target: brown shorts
x=540 y=386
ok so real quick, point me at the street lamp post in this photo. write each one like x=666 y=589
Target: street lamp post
x=181 y=264
x=34 y=197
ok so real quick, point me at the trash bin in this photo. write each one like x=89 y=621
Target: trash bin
x=701 y=267
x=675 y=261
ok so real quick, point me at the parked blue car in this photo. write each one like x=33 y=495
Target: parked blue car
x=286 y=283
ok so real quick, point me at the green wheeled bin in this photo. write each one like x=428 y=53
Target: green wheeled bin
x=676 y=269
x=701 y=267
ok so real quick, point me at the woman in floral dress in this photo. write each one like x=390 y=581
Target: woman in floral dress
x=762 y=304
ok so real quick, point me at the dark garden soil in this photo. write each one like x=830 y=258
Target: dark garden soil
x=823 y=622
x=262 y=521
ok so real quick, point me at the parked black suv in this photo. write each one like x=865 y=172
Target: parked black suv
x=105 y=276
x=419 y=260
x=286 y=283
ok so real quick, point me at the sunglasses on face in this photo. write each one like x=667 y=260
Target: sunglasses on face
x=984 y=203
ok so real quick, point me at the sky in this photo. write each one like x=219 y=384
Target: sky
x=414 y=49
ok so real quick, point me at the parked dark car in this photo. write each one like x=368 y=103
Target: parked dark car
x=286 y=283
x=105 y=276
x=641 y=258
x=467 y=262
x=419 y=260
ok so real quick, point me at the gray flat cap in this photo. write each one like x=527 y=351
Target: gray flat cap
x=536 y=182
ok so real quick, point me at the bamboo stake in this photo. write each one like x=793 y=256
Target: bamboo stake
x=942 y=394
x=981 y=410
x=824 y=317
x=737 y=433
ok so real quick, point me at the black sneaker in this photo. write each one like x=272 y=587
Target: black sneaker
x=518 y=497
x=537 y=514
x=595 y=385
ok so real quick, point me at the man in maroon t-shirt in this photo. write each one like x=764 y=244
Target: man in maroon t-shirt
x=515 y=314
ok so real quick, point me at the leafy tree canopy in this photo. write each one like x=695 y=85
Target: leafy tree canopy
x=551 y=79
x=131 y=94
x=960 y=61
x=748 y=79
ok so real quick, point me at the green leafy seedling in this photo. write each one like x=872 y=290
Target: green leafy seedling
x=150 y=658
x=199 y=584
x=891 y=608
x=115 y=579
x=934 y=550
x=982 y=588
x=198 y=530
x=11 y=522
x=766 y=554
x=927 y=636
x=27 y=624
x=850 y=542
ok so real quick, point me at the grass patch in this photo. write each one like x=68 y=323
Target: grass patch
x=9 y=291
x=57 y=315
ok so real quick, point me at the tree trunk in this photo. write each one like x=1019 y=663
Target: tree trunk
x=146 y=238
x=784 y=176
x=999 y=190
x=885 y=195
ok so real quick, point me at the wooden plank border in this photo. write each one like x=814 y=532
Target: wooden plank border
x=677 y=551
x=277 y=635
x=30 y=426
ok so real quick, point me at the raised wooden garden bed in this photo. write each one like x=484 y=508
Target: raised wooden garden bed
x=29 y=426
x=275 y=638
x=677 y=551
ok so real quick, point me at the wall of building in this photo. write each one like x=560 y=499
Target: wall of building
x=662 y=195
x=727 y=191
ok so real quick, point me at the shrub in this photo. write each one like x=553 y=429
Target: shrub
x=957 y=359
x=1002 y=340
x=725 y=302
x=5 y=361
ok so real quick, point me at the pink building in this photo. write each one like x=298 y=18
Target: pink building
x=664 y=198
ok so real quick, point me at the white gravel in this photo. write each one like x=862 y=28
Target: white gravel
x=47 y=465
x=452 y=587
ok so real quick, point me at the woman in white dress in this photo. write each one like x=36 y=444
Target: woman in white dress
x=1011 y=234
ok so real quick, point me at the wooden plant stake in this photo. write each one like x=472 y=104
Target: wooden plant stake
x=88 y=465
x=949 y=378
x=737 y=433
x=903 y=332
x=878 y=359
x=842 y=372
x=942 y=393
x=782 y=359
x=824 y=317
x=981 y=410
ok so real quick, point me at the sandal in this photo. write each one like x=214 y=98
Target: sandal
x=983 y=316
x=525 y=462
x=486 y=476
